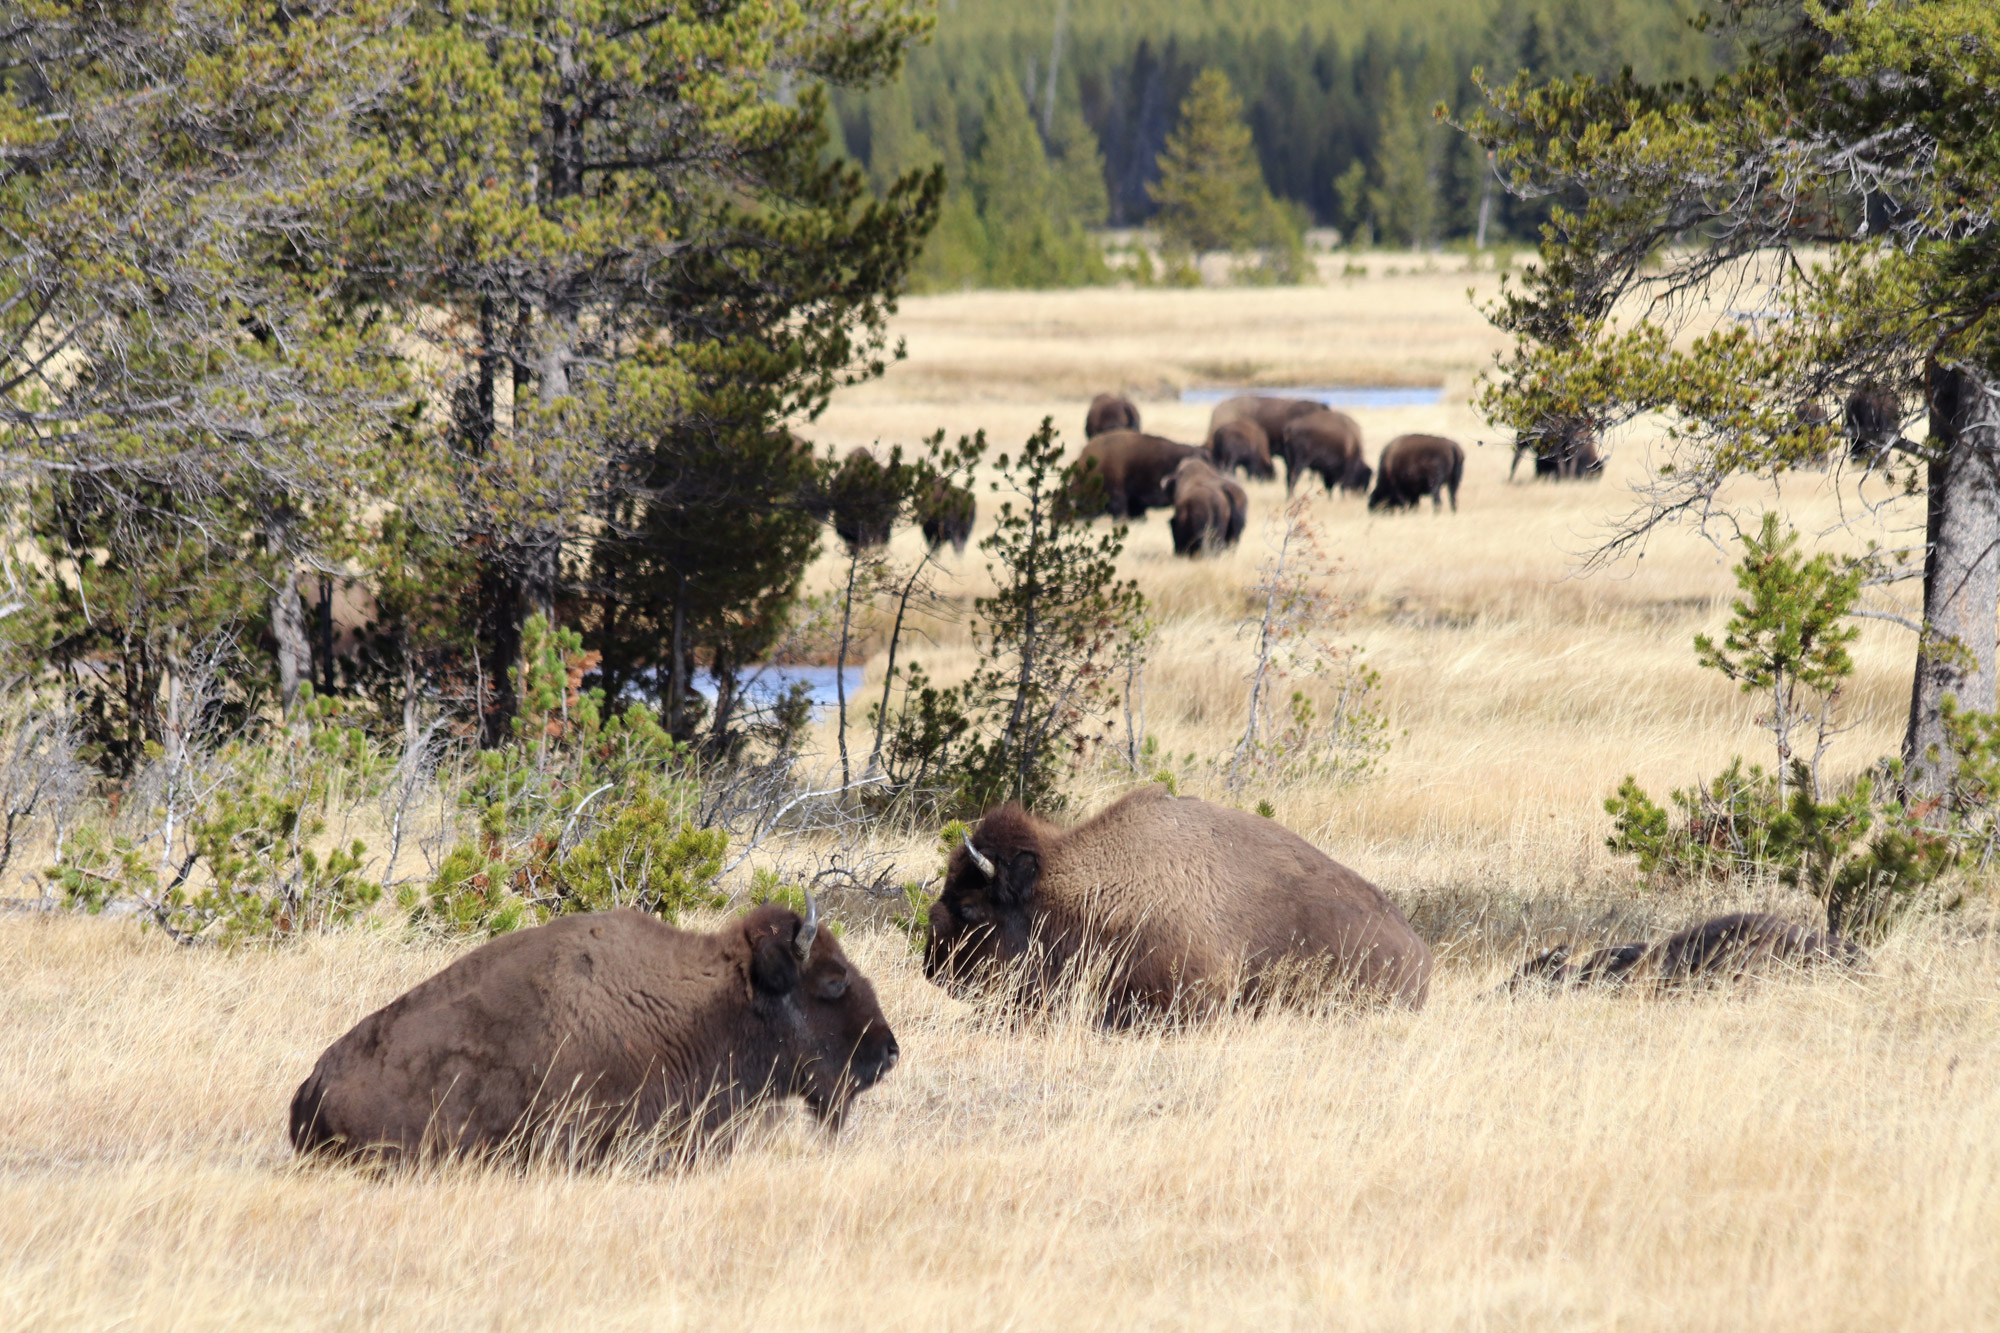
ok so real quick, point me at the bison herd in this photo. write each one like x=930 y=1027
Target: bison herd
x=575 y=1035
x=591 y=1028
x=1124 y=471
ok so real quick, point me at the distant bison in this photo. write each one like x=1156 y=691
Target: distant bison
x=1874 y=422
x=1721 y=948
x=1241 y=444
x=1327 y=443
x=1270 y=413
x=1559 y=454
x=946 y=514
x=1108 y=412
x=1132 y=469
x=860 y=500
x=1413 y=466
x=1166 y=904
x=595 y=1025
x=1209 y=508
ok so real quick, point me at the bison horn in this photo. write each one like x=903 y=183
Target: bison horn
x=808 y=931
x=985 y=866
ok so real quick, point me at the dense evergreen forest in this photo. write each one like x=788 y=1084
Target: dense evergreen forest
x=1338 y=97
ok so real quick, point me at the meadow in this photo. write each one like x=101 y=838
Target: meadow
x=1813 y=1152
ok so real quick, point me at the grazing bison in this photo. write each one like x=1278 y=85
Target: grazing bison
x=1413 y=466
x=1328 y=443
x=946 y=514
x=1133 y=470
x=1721 y=948
x=1209 y=508
x=598 y=1024
x=1109 y=412
x=1874 y=423
x=860 y=500
x=1559 y=454
x=1241 y=444
x=1270 y=414
x=1166 y=903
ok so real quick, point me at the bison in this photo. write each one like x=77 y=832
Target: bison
x=1720 y=948
x=1553 y=968
x=1270 y=414
x=1731 y=947
x=1559 y=455
x=598 y=1025
x=1874 y=423
x=1209 y=508
x=946 y=513
x=1109 y=412
x=1133 y=470
x=1413 y=466
x=1327 y=443
x=1162 y=904
x=860 y=500
x=1241 y=444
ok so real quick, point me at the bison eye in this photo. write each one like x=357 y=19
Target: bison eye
x=969 y=910
x=832 y=988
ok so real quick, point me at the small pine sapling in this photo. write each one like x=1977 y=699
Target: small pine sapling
x=1785 y=637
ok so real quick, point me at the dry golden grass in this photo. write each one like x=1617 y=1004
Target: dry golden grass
x=1813 y=1153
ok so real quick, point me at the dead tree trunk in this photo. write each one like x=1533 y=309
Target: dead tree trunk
x=1961 y=569
x=288 y=619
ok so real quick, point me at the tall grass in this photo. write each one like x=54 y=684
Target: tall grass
x=1808 y=1153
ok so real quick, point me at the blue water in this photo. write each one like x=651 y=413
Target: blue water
x=767 y=684
x=1337 y=395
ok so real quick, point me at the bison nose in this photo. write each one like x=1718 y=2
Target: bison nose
x=889 y=1053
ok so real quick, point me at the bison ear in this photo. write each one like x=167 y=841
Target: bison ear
x=1017 y=885
x=774 y=965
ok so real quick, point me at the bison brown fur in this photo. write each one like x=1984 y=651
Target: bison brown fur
x=1723 y=948
x=606 y=1023
x=1413 y=466
x=946 y=514
x=1244 y=445
x=1271 y=414
x=1731 y=947
x=1327 y=443
x=1209 y=508
x=1166 y=903
x=1874 y=422
x=1559 y=454
x=1132 y=470
x=1108 y=412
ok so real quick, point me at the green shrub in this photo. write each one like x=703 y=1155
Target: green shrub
x=1862 y=854
x=579 y=814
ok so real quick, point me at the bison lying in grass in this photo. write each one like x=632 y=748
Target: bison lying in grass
x=1164 y=904
x=1723 y=948
x=596 y=1026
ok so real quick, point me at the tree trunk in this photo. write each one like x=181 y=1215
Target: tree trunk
x=677 y=682
x=288 y=617
x=1961 y=569
x=326 y=632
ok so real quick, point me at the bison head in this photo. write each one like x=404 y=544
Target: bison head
x=982 y=917
x=832 y=1040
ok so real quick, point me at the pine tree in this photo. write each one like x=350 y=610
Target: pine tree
x=1888 y=274
x=1030 y=241
x=1404 y=198
x=183 y=377
x=648 y=254
x=1211 y=192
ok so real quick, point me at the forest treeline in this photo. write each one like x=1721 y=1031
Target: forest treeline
x=1338 y=98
